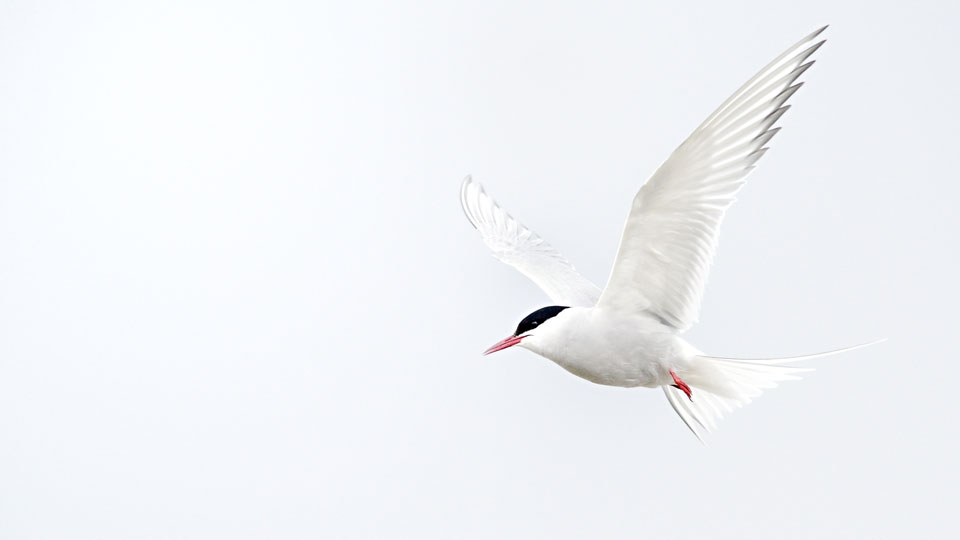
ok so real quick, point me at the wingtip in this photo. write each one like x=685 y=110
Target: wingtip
x=813 y=35
x=465 y=201
x=464 y=185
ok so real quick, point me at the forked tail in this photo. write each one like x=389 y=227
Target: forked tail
x=720 y=385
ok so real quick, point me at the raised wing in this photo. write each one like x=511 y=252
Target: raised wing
x=524 y=250
x=671 y=233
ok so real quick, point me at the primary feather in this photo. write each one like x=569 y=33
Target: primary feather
x=671 y=232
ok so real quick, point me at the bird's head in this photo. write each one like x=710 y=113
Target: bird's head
x=534 y=326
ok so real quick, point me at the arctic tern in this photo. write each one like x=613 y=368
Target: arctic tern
x=628 y=335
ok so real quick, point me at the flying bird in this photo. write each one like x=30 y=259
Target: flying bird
x=628 y=334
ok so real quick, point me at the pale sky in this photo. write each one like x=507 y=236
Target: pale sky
x=238 y=297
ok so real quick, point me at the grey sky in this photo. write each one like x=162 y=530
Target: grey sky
x=238 y=298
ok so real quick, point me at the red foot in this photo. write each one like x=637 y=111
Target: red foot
x=681 y=385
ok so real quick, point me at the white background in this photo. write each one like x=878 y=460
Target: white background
x=238 y=298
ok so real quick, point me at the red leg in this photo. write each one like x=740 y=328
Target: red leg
x=681 y=385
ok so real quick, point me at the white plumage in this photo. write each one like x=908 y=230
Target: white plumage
x=628 y=335
x=671 y=233
x=523 y=249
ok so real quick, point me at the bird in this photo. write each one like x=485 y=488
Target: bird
x=629 y=333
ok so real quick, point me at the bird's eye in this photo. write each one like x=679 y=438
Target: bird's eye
x=535 y=323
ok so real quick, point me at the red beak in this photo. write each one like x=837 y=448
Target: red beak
x=503 y=344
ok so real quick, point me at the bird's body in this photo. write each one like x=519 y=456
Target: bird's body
x=628 y=334
x=614 y=349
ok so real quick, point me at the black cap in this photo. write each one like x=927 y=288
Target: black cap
x=537 y=318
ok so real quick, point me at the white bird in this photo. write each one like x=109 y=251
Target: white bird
x=629 y=334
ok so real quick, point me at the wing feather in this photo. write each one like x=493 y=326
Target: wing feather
x=523 y=249
x=670 y=236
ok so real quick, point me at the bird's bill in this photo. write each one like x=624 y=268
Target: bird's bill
x=503 y=344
